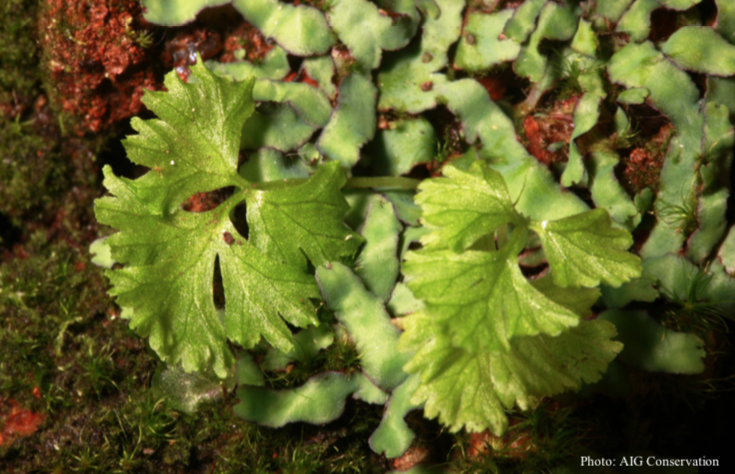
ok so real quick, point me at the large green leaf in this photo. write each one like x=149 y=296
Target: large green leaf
x=483 y=297
x=463 y=207
x=169 y=254
x=585 y=250
x=474 y=390
x=304 y=221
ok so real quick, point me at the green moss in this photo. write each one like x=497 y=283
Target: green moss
x=17 y=47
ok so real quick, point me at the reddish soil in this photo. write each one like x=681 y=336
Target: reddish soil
x=93 y=52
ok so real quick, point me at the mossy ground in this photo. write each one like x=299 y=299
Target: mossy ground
x=67 y=356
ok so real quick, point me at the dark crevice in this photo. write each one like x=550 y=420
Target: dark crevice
x=663 y=24
x=218 y=289
x=9 y=234
x=239 y=220
x=114 y=154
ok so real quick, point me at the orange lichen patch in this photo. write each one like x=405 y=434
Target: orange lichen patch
x=553 y=127
x=17 y=422
x=415 y=455
x=642 y=167
x=92 y=54
x=246 y=37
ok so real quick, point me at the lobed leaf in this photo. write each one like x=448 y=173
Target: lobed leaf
x=531 y=185
x=303 y=222
x=485 y=296
x=474 y=390
x=463 y=207
x=584 y=250
x=170 y=254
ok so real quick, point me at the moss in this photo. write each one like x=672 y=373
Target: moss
x=17 y=48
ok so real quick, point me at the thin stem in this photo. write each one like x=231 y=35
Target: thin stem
x=382 y=182
x=352 y=183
